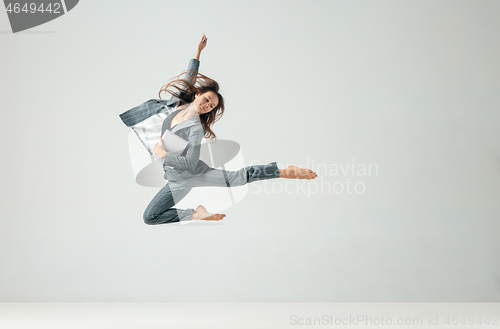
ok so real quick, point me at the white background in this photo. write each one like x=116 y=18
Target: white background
x=411 y=86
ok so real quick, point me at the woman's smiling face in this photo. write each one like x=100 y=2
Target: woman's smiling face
x=206 y=102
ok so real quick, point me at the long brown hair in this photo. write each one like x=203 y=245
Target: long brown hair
x=186 y=92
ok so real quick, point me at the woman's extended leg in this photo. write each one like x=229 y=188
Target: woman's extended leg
x=230 y=178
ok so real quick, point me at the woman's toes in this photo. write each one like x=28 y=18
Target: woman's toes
x=216 y=217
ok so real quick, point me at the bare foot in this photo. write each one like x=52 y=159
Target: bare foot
x=201 y=213
x=294 y=172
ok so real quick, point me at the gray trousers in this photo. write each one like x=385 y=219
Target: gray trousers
x=160 y=211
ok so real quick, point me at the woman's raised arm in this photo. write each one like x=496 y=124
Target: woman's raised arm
x=194 y=63
x=201 y=46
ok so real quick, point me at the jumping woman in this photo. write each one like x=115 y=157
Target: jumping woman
x=190 y=113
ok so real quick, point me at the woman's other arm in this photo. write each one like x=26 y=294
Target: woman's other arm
x=190 y=160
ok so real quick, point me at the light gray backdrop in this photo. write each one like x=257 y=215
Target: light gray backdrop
x=411 y=87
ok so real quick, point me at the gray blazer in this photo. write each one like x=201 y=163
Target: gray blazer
x=188 y=164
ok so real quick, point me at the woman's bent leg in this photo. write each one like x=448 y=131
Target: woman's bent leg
x=160 y=211
x=231 y=178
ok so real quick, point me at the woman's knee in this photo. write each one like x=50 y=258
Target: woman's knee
x=148 y=218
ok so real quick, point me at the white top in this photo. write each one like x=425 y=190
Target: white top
x=149 y=130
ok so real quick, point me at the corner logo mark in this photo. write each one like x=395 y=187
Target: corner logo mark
x=24 y=15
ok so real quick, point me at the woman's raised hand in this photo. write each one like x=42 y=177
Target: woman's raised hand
x=201 y=46
x=203 y=43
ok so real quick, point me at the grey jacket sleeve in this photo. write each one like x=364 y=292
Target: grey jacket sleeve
x=190 y=75
x=193 y=66
x=190 y=160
